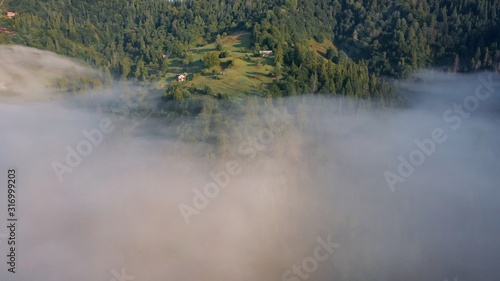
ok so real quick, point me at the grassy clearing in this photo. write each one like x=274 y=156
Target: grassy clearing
x=322 y=47
x=248 y=74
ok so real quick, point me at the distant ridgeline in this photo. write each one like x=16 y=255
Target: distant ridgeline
x=336 y=47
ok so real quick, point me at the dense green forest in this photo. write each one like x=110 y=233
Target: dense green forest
x=136 y=38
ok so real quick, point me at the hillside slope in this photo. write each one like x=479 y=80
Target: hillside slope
x=145 y=40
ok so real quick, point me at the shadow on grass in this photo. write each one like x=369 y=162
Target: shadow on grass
x=256 y=75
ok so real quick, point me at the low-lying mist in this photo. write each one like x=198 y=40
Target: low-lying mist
x=315 y=189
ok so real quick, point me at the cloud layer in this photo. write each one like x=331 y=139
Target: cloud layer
x=322 y=175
